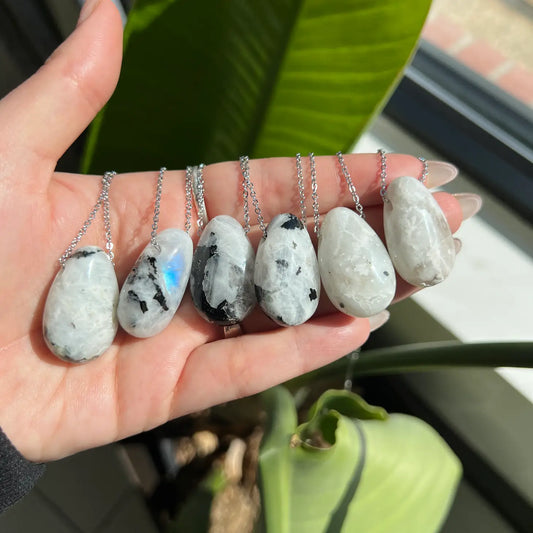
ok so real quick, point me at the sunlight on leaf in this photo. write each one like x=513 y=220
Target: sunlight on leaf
x=209 y=81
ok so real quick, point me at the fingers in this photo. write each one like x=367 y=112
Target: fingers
x=245 y=365
x=42 y=117
x=275 y=182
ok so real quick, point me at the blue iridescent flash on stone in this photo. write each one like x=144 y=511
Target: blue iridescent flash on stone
x=155 y=286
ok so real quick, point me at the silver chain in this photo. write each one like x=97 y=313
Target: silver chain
x=248 y=188
x=383 y=172
x=188 y=199
x=103 y=198
x=106 y=183
x=157 y=207
x=351 y=186
x=314 y=194
x=197 y=177
x=301 y=188
x=245 y=201
x=424 y=174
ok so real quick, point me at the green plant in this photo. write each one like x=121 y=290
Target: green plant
x=352 y=467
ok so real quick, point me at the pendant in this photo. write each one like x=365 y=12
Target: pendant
x=154 y=288
x=355 y=267
x=222 y=285
x=79 y=321
x=418 y=237
x=286 y=277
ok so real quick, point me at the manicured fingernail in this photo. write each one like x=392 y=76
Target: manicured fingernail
x=440 y=173
x=87 y=9
x=458 y=244
x=470 y=204
x=376 y=321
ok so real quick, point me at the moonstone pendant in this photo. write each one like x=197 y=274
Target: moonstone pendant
x=355 y=267
x=154 y=288
x=79 y=321
x=222 y=284
x=287 y=282
x=418 y=237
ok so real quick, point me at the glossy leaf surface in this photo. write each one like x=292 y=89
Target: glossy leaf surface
x=209 y=81
x=336 y=473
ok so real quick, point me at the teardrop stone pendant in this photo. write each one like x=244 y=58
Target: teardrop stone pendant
x=154 y=288
x=222 y=284
x=79 y=321
x=286 y=277
x=355 y=267
x=418 y=237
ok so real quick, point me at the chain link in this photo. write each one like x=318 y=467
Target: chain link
x=301 y=188
x=425 y=170
x=314 y=194
x=106 y=183
x=188 y=199
x=199 y=196
x=157 y=207
x=245 y=199
x=248 y=188
x=383 y=172
x=103 y=198
x=351 y=186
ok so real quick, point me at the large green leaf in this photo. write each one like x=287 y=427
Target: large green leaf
x=210 y=80
x=335 y=473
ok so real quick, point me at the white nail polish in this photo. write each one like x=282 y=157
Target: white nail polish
x=376 y=321
x=470 y=204
x=440 y=173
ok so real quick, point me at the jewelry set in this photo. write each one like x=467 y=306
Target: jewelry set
x=227 y=279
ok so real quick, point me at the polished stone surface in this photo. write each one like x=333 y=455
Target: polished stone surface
x=418 y=237
x=154 y=288
x=222 y=285
x=286 y=275
x=79 y=321
x=355 y=268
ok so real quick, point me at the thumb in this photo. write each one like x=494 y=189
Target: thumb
x=42 y=117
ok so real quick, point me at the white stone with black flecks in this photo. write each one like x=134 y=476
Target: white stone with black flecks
x=222 y=285
x=154 y=288
x=355 y=268
x=286 y=276
x=79 y=321
x=418 y=236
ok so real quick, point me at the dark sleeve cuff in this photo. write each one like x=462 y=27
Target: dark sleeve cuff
x=17 y=475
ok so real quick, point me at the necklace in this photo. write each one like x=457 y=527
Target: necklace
x=355 y=267
x=222 y=287
x=418 y=236
x=286 y=277
x=155 y=286
x=79 y=320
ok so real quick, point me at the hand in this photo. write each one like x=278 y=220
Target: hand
x=49 y=408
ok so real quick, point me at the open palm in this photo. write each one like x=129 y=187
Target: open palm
x=49 y=408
